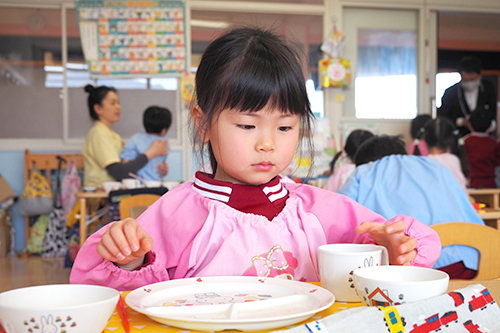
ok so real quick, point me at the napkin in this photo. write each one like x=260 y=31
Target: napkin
x=471 y=309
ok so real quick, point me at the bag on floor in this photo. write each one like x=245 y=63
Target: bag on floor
x=37 y=196
x=37 y=235
x=56 y=239
x=70 y=185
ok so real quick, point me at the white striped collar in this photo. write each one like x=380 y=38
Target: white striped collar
x=219 y=190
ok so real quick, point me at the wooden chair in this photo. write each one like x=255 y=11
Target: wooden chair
x=134 y=205
x=485 y=239
x=46 y=163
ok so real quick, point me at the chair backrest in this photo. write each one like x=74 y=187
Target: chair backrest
x=134 y=205
x=485 y=239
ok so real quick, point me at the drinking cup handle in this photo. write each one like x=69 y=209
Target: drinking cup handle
x=385 y=256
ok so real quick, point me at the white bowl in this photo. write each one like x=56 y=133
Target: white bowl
x=56 y=308
x=153 y=183
x=394 y=285
x=170 y=184
x=111 y=186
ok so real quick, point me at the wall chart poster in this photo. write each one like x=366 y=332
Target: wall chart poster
x=133 y=38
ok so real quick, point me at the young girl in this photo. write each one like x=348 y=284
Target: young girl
x=340 y=173
x=441 y=137
x=251 y=111
x=417 y=145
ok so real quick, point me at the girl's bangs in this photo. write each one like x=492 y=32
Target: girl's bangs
x=250 y=89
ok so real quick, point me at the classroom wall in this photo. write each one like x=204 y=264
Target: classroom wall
x=12 y=159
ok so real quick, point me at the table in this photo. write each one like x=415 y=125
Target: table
x=83 y=197
x=140 y=323
x=489 y=196
x=490 y=217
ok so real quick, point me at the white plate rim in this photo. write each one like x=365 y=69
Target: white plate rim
x=298 y=286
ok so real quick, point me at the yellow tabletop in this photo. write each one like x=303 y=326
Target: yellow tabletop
x=139 y=323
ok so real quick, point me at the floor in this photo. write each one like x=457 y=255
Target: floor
x=23 y=272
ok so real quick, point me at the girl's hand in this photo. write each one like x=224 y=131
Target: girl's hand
x=401 y=248
x=124 y=242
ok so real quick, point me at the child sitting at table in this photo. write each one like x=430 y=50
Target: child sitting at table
x=482 y=151
x=342 y=171
x=251 y=112
x=156 y=121
x=441 y=137
x=417 y=146
x=386 y=180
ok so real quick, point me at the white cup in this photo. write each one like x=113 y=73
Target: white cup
x=337 y=262
x=111 y=186
x=130 y=183
x=153 y=183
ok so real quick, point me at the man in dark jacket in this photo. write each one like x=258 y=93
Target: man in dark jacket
x=472 y=93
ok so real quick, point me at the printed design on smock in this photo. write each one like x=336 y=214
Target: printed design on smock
x=50 y=324
x=275 y=263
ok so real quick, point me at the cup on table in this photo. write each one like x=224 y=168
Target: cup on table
x=153 y=183
x=130 y=183
x=111 y=186
x=337 y=262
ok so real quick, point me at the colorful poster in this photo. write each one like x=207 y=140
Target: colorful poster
x=133 y=38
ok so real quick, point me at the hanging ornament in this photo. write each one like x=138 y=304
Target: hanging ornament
x=334 y=71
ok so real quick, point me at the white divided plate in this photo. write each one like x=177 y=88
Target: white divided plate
x=244 y=303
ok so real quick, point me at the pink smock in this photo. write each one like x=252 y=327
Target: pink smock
x=195 y=236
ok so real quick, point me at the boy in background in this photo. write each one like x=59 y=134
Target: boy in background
x=156 y=121
x=482 y=151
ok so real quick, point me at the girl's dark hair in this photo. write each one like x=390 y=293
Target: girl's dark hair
x=96 y=95
x=354 y=140
x=442 y=134
x=417 y=130
x=156 y=118
x=247 y=69
x=377 y=147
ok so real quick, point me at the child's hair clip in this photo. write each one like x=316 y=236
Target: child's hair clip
x=461 y=141
x=455 y=132
x=422 y=130
x=416 y=142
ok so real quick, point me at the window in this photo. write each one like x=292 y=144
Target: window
x=443 y=82
x=382 y=48
x=386 y=79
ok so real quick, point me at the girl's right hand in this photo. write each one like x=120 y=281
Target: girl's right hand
x=124 y=242
x=157 y=148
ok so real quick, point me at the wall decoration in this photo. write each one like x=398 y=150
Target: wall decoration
x=334 y=71
x=133 y=38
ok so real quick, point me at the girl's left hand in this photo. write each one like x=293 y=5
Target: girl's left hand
x=162 y=169
x=401 y=248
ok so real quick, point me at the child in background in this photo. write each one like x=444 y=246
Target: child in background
x=342 y=171
x=156 y=121
x=481 y=150
x=416 y=186
x=441 y=137
x=417 y=146
x=251 y=111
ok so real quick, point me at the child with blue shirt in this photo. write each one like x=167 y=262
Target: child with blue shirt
x=156 y=121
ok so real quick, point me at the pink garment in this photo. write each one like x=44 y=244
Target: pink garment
x=197 y=236
x=452 y=162
x=422 y=146
x=339 y=177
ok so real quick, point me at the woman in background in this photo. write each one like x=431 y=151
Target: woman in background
x=102 y=147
